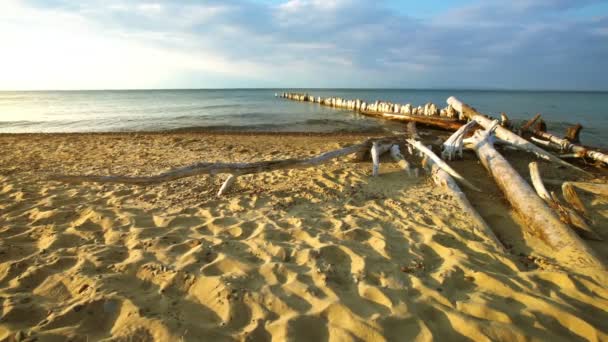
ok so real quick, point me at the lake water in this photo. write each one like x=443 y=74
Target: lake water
x=259 y=110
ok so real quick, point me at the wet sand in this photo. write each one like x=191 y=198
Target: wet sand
x=326 y=253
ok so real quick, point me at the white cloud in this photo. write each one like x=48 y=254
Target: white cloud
x=156 y=43
x=66 y=51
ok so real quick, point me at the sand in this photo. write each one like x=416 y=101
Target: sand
x=314 y=254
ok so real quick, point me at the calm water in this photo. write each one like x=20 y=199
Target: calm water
x=102 y=111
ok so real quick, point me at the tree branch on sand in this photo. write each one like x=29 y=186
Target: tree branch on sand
x=540 y=219
x=235 y=169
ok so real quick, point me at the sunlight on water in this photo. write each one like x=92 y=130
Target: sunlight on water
x=87 y=111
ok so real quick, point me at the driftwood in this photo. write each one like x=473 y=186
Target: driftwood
x=235 y=169
x=540 y=219
x=566 y=214
x=376 y=151
x=573 y=133
x=430 y=121
x=526 y=127
x=567 y=146
x=453 y=146
x=572 y=198
x=595 y=188
x=429 y=115
x=400 y=159
x=540 y=126
x=442 y=178
x=553 y=146
x=504 y=121
x=441 y=164
x=411 y=131
x=506 y=135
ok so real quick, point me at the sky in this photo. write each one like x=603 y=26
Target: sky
x=472 y=44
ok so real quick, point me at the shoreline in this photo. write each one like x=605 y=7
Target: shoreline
x=208 y=132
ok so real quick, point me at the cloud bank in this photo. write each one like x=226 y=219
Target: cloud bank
x=94 y=44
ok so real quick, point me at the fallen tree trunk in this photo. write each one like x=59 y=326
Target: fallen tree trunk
x=540 y=219
x=235 y=169
x=435 y=122
x=376 y=151
x=567 y=146
x=441 y=164
x=506 y=135
x=567 y=215
x=442 y=178
x=596 y=188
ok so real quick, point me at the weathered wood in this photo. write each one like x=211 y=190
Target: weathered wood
x=526 y=127
x=428 y=115
x=540 y=219
x=442 y=178
x=435 y=122
x=567 y=146
x=218 y=168
x=566 y=214
x=400 y=159
x=542 y=142
x=540 y=126
x=376 y=151
x=571 y=196
x=452 y=147
x=441 y=164
x=595 y=188
x=504 y=121
x=537 y=182
x=506 y=135
x=573 y=133
x=411 y=131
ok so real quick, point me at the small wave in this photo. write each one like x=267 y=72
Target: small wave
x=21 y=123
x=302 y=126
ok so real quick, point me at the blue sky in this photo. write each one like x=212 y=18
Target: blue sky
x=110 y=44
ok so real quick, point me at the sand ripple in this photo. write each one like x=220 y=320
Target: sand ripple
x=311 y=255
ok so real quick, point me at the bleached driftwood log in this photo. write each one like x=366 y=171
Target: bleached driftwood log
x=573 y=199
x=453 y=146
x=506 y=135
x=567 y=146
x=542 y=142
x=400 y=159
x=235 y=169
x=537 y=182
x=540 y=219
x=596 y=188
x=566 y=214
x=441 y=164
x=377 y=150
x=442 y=178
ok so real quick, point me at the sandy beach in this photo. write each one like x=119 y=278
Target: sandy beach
x=316 y=254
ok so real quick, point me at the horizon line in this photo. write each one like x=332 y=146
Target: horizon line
x=316 y=88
